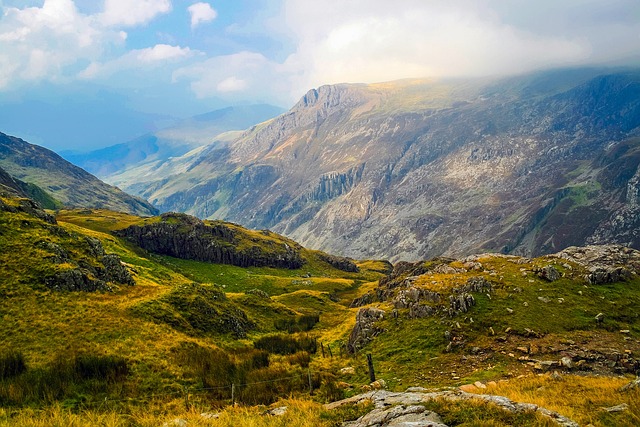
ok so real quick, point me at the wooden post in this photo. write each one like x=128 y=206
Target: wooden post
x=310 y=383
x=322 y=348
x=233 y=394
x=372 y=374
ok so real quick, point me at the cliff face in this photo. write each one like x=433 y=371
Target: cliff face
x=416 y=169
x=183 y=236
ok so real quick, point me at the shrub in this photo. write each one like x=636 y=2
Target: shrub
x=302 y=323
x=284 y=344
x=12 y=364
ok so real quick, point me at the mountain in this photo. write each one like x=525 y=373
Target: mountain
x=69 y=185
x=418 y=168
x=156 y=147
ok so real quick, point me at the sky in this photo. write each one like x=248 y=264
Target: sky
x=81 y=74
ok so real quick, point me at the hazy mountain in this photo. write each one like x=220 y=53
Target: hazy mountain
x=172 y=141
x=416 y=168
x=68 y=184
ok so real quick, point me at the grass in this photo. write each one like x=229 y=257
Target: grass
x=182 y=314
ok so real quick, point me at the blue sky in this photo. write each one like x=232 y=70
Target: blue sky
x=109 y=70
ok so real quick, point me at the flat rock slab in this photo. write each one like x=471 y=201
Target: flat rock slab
x=396 y=409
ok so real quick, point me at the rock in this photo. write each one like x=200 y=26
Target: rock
x=279 y=411
x=178 y=422
x=509 y=310
x=415 y=389
x=341 y=263
x=364 y=330
x=635 y=384
x=618 y=408
x=75 y=280
x=480 y=385
x=115 y=271
x=378 y=384
x=365 y=299
x=599 y=275
x=469 y=388
x=545 y=365
x=599 y=317
x=549 y=273
x=210 y=415
x=492 y=384
x=556 y=376
x=544 y=299
x=567 y=362
x=397 y=416
x=348 y=370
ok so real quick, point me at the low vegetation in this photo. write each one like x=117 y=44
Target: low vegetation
x=191 y=337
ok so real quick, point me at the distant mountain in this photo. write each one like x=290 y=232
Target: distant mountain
x=414 y=169
x=32 y=166
x=173 y=141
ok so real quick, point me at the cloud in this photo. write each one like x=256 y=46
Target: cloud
x=43 y=42
x=131 y=13
x=249 y=75
x=368 y=41
x=153 y=56
x=200 y=13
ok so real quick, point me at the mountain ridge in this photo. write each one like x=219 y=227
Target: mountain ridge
x=67 y=183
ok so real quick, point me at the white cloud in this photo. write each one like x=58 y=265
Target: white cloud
x=368 y=41
x=157 y=55
x=132 y=12
x=251 y=73
x=42 y=42
x=200 y=13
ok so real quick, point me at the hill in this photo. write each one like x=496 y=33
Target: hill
x=415 y=169
x=108 y=329
x=67 y=184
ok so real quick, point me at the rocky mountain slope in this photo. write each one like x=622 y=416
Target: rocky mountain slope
x=67 y=184
x=414 y=169
x=154 y=148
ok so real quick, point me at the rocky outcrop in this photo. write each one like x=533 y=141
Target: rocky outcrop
x=365 y=328
x=406 y=409
x=604 y=263
x=341 y=263
x=186 y=237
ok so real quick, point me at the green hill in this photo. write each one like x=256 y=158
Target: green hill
x=100 y=330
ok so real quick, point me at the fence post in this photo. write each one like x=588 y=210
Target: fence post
x=322 y=348
x=372 y=374
x=233 y=394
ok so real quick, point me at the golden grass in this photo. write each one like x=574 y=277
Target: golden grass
x=577 y=397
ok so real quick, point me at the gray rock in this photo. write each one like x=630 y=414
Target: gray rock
x=618 y=408
x=279 y=411
x=115 y=271
x=549 y=273
x=364 y=330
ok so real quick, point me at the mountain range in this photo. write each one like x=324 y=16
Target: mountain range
x=34 y=171
x=418 y=168
x=156 y=147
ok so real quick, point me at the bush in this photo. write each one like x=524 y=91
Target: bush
x=284 y=344
x=299 y=324
x=109 y=368
x=12 y=364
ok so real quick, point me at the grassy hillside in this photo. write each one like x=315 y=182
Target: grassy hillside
x=185 y=337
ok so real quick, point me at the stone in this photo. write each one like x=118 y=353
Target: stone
x=618 y=408
x=635 y=384
x=178 y=422
x=279 y=411
x=348 y=370
x=549 y=273
x=480 y=385
x=599 y=317
x=567 y=362
x=469 y=388
x=210 y=415
x=544 y=299
x=378 y=384
x=364 y=330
